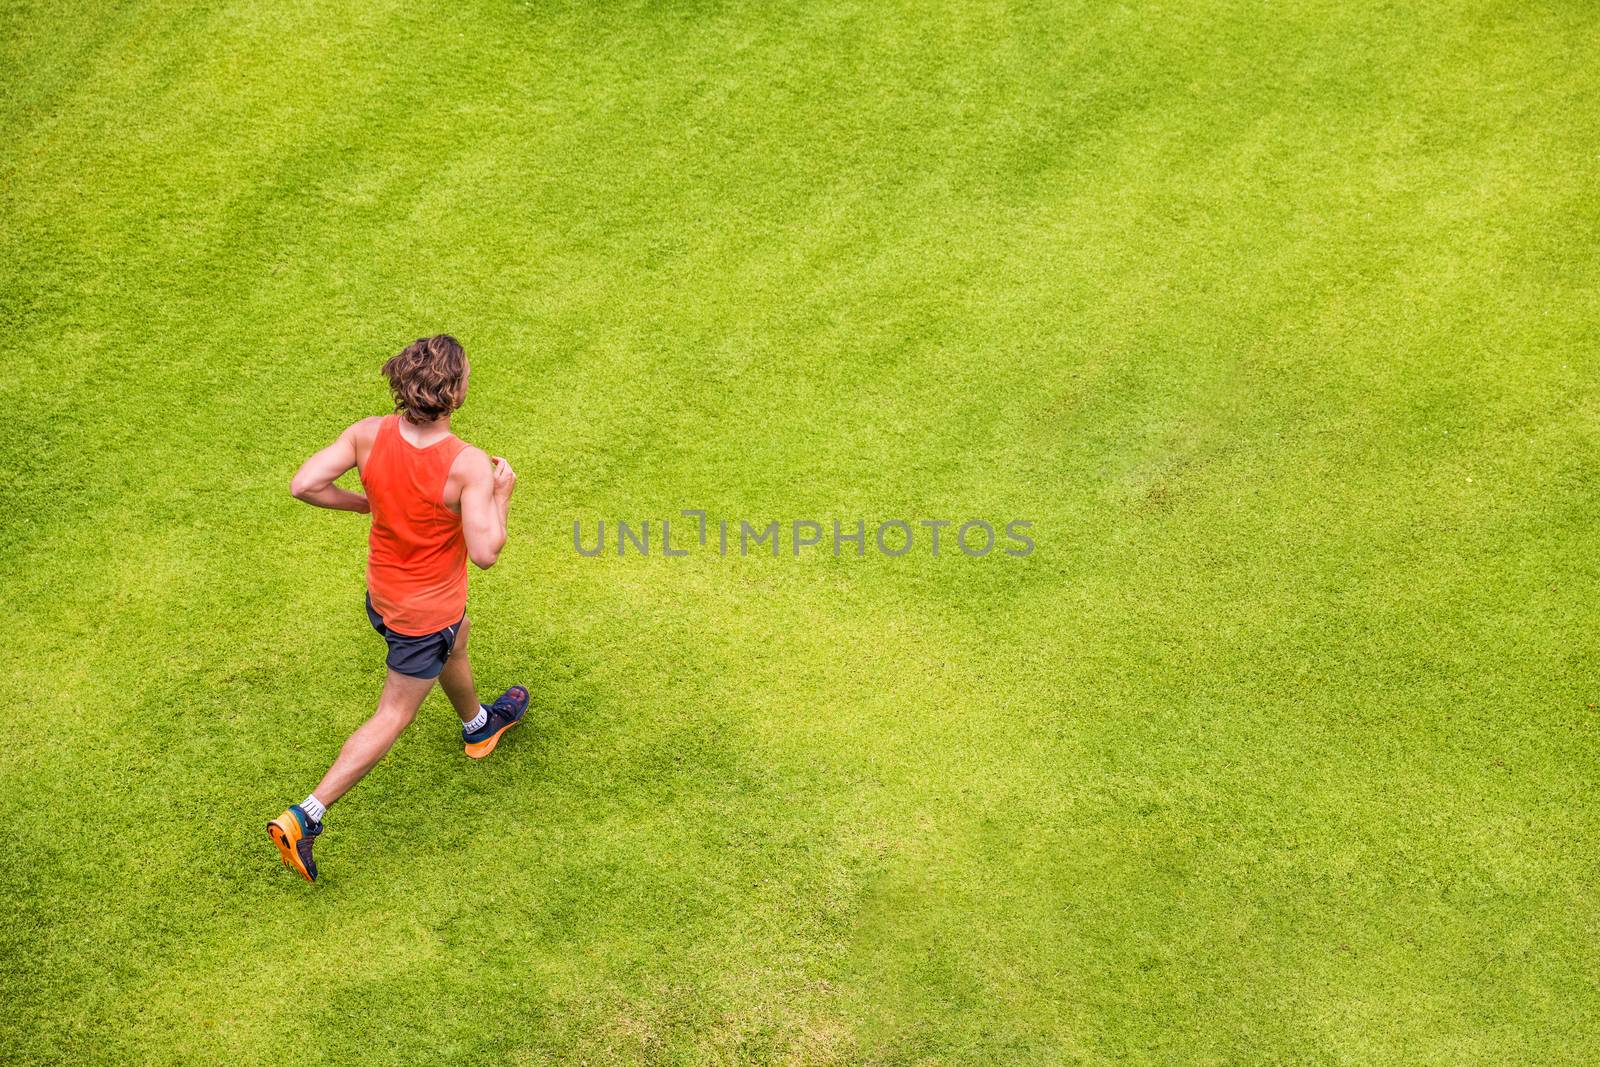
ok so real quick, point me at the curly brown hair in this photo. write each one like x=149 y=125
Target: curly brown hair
x=428 y=378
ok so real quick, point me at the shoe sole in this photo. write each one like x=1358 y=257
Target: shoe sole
x=480 y=749
x=286 y=850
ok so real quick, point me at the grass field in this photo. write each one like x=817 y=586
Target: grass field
x=1279 y=321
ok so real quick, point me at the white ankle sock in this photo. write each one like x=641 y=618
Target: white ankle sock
x=313 y=808
x=477 y=720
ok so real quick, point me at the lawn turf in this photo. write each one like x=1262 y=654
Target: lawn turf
x=1278 y=320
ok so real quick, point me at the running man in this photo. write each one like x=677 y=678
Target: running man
x=435 y=502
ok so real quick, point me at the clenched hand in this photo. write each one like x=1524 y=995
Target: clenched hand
x=505 y=479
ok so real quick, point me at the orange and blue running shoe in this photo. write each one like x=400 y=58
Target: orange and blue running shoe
x=504 y=713
x=294 y=833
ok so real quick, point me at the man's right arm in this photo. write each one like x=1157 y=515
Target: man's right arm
x=485 y=503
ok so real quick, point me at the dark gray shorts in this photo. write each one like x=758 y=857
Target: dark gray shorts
x=418 y=657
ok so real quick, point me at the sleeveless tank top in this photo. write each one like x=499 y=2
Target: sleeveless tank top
x=416 y=551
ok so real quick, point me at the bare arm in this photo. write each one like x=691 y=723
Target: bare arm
x=313 y=482
x=485 y=503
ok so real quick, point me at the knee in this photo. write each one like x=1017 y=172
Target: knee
x=397 y=715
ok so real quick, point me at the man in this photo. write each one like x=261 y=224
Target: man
x=435 y=502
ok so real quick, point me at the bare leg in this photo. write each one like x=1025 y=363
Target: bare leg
x=402 y=696
x=456 y=681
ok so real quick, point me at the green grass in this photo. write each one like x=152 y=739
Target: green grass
x=1279 y=320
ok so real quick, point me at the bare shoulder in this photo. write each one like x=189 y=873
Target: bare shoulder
x=471 y=465
x=364 y=430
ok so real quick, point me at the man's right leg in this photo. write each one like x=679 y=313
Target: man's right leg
x=481 y=724
x=456 y=679
x=296 y=829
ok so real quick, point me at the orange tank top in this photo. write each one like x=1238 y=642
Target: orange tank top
x=416 y=552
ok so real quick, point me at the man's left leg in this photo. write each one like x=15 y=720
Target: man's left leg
x=397 y=707
x=296 y=829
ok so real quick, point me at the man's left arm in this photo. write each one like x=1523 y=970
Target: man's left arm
x=313 y=482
